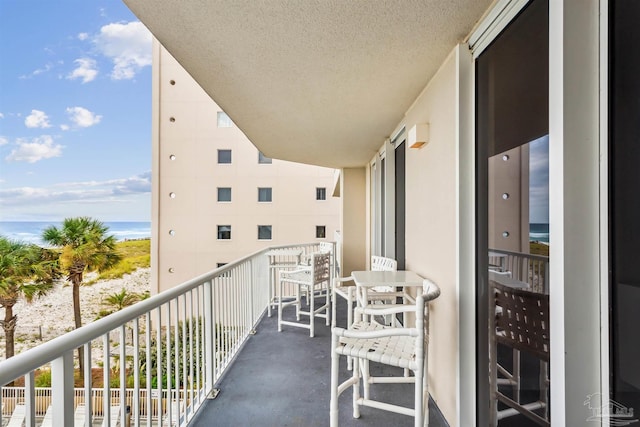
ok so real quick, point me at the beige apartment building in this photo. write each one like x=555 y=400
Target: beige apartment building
x=216 y=198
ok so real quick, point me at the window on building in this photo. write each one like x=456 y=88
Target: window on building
x=262 y=159
x=321 y=193
x=226 y=273
x=224 y=232
x=264 y=194
x=321 y=231
x=264 y=232
x=223 y=120
x=224 y=156
x=224 y=194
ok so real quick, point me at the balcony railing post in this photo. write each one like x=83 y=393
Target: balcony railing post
x=209 y=336
x=62 y=392
x=30 y=399
x=252 y=286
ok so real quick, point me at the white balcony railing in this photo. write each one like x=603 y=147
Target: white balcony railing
x=530 y=269
x=158 y=359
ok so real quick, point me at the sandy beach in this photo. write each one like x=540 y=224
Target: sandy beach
x=52 y=315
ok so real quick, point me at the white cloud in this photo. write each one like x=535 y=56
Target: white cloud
x=45 y=69
x=88 y=191
x=37 y=119
x=3 y=141
x=65 y=127
x=1 y=116
x=128 y=45
x=83 y=36
x=86 y=70
x=135 y=184
x=35 y=150
x=82 y=117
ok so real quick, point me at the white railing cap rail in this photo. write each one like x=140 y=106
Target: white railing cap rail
x=23 y=363
x=521 y=254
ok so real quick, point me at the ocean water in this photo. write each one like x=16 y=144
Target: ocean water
x=539 y=232
x=30 y=231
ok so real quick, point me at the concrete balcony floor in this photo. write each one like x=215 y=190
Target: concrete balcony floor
x=283 y=379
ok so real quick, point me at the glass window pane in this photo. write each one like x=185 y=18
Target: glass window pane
x=224 y=232
x=321 y=193
x=223 y=120
x=264 y=194
x=224 y=194
x=262 y=159
x=321 y=231
x=512 y=220
x=224 y=156
x=264 y=232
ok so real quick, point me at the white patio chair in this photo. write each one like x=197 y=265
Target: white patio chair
x=314 y=279
x=114 y=414
x=47 y=421
x=522 y=324
x=402 y=347
x=17 y=416
x=176 y=411
x=79 y=416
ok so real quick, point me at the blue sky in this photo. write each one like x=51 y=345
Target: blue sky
x=75 y=111
x=539 y=180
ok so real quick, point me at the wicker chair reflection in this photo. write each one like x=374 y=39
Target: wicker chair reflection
x=315 y=281
x=521 y=323
x=401 y=347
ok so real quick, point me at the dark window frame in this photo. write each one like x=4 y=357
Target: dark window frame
x=270 y=192
x=221 y=232
x=222 y=159
x=219 y=194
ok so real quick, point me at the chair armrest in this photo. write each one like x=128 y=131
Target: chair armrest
x=385 y=309
x=339 y=280
x=299 y=270
x=378 y=333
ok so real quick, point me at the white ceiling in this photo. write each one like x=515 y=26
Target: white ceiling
x=314 y=81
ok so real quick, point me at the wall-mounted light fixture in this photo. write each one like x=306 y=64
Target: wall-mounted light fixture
x=418 y=135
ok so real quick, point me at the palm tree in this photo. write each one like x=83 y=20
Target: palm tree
x=119 y=300
x=85 y=247
x=26 y=271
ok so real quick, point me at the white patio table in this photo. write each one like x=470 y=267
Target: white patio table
x=399 y=280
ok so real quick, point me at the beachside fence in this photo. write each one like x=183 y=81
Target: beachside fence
x=165 y=354
x=14 y=396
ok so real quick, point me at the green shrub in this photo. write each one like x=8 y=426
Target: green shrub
x=43 y=379
x=135 y=254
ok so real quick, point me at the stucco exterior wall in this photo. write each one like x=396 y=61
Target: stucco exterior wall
x=185 y=127
x=353 y=226
x=431 y=230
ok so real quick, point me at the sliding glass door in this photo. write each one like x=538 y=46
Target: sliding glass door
x=624 y=203
x=512 y=219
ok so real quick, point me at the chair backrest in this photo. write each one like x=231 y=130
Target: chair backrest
x=430 y=291
x=79 y=416
x=47 y=421
x=380 y=263
x=524 y=320
x=18 y=416
x=325 y=247
x=321 y=267
x=114 y=414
